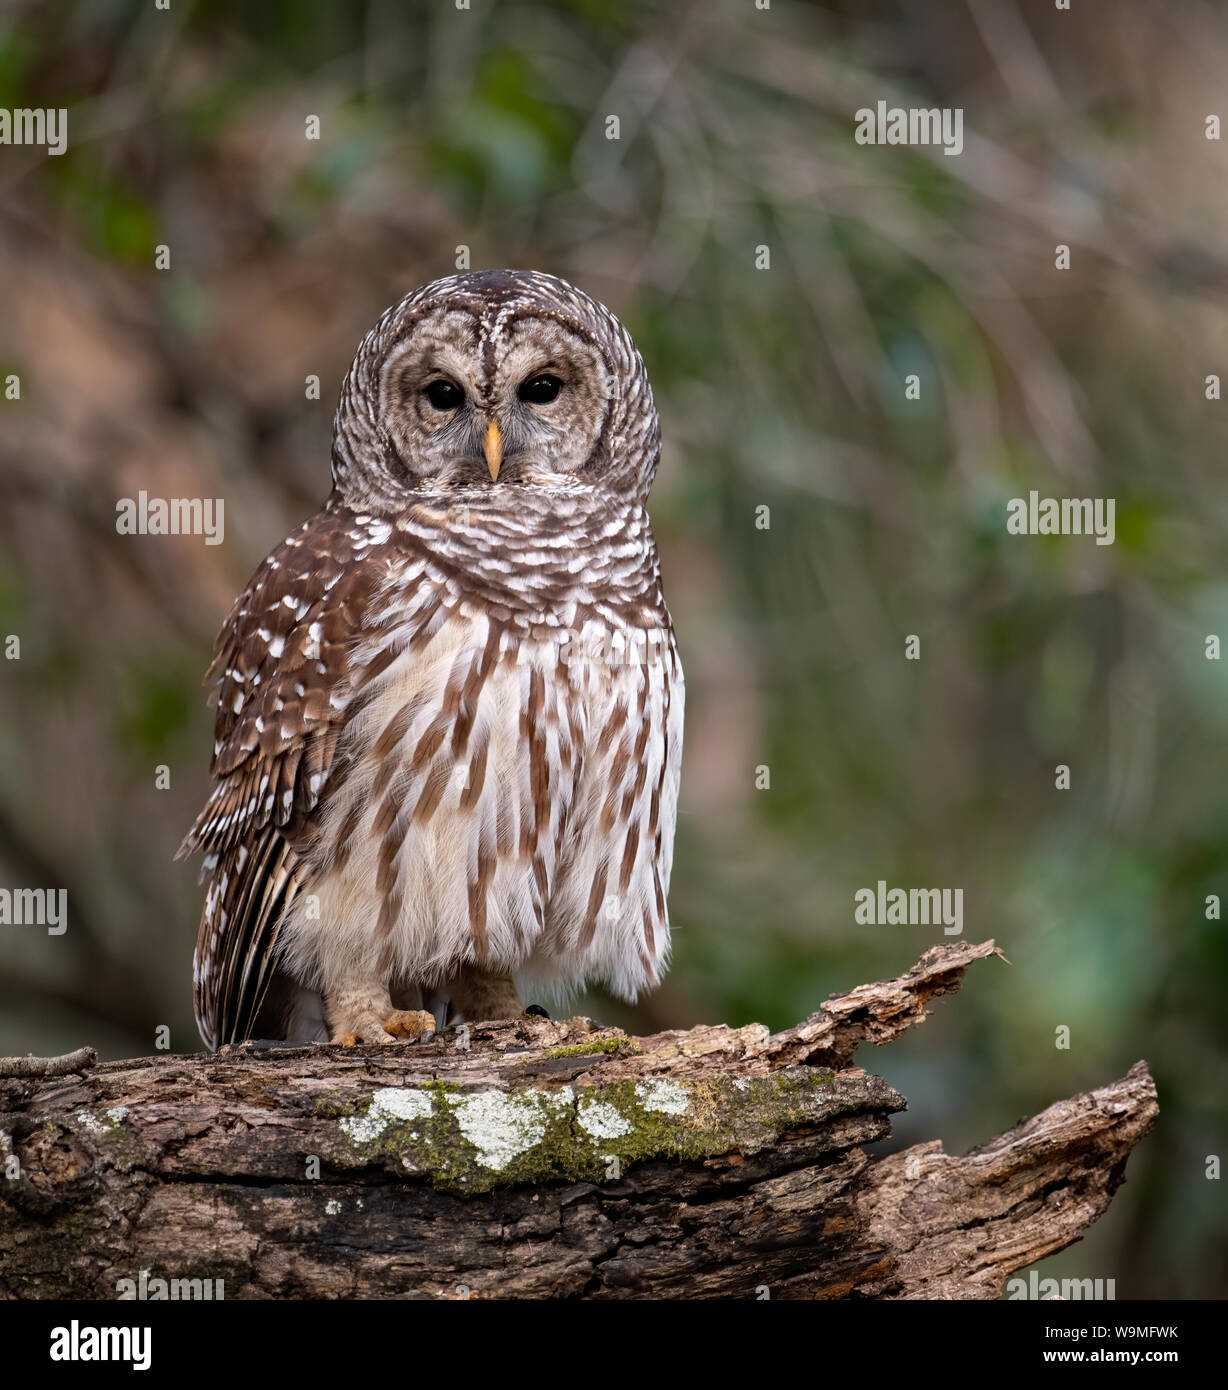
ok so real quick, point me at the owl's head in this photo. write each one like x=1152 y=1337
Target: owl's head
x=489 y=382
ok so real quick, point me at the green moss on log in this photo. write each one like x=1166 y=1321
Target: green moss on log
x=476 y=1141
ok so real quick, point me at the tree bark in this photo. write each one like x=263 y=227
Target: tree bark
x=533 y=1159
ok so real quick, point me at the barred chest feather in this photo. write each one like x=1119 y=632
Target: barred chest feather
x=505 y=784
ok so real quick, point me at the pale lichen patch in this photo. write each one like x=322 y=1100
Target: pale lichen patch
x=388 y=1104
x=602 y=1120
x=402 y=1102
x=502 y=1126
x=662 y=1095
x=363 y=1128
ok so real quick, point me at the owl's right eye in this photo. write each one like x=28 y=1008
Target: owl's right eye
x=444 y=395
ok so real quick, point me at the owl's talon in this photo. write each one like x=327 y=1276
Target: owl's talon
x=414 y=1024
x=535 y=1011
x=364 y=1035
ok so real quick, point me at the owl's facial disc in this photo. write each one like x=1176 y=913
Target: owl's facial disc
x=467 y=402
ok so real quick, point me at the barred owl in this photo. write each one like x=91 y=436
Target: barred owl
x=449 y=706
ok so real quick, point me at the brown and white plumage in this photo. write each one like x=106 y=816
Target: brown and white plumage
x=450 y=705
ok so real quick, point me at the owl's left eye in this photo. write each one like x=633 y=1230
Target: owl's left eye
x=540 y=389
x=444 y=395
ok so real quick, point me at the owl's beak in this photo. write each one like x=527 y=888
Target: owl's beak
x=492 y=447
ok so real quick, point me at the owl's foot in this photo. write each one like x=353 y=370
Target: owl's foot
x=534 y=1011
x=414 y=1024
x=370 y=1031
x=359 y=1010
x=410 y=1023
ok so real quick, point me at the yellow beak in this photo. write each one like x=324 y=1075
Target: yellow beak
x=492 y=447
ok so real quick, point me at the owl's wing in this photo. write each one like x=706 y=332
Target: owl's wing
x=283 y=692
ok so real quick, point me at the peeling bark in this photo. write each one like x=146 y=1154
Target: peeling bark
x=536 y=1159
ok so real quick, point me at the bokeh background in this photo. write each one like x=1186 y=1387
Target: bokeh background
x=779 y=387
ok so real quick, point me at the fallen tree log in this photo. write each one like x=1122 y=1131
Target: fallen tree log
x=534 y=1159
